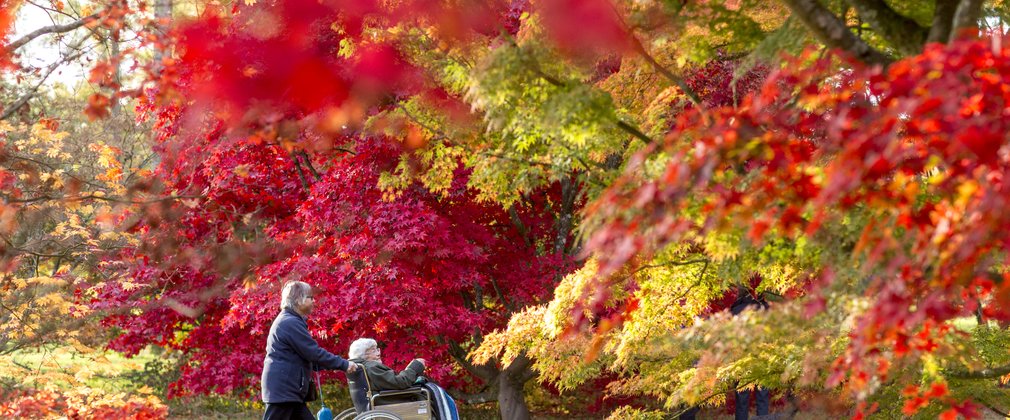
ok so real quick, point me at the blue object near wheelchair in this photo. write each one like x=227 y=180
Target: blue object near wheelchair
x=324 y=413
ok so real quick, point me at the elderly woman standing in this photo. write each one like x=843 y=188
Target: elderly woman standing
x=291 y=356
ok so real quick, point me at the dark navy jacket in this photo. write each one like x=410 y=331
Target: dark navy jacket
x=291 y=355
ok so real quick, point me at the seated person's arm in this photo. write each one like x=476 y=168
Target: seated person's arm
x=384 y=378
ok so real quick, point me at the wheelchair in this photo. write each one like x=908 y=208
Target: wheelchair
x=385 y=405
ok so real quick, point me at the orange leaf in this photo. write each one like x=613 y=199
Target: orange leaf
x=913 y=405
x=910 y=390
x=937 y=390
x=98 y=107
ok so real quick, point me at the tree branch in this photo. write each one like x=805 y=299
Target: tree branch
x=634 y=132
x=528 y=375
x=485 y=372
x=906 y=35
x=8 y=111
x=980 y=374
x=308 y=164
x=504 y=300
x=831 y=31
x=672 y=264
x=301 y=173
x=51 y=10
x=620 y=124
x=53 y=168
x=569 y=191
x=514 y=159
x=66 y=250
x=704 y=400
x=519 y=225
x=519 y=369
x=677 y=80
x=54 y=29
x=9 y=200
x=995 y=410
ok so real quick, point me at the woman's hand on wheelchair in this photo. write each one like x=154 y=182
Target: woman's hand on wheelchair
x=352 y=367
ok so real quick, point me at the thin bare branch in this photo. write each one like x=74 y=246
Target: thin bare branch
x=9 y=111
x=980 y=374
x=53 y=29
x=677 y=80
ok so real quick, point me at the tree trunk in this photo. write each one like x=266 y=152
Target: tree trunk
x=966 y=18
x=511 y=380
x=163 y=13
x=833 y=32
x=511 y=400
x=943 y=21
x=569 y=191
x=163 y=9
x=504 y=385
x=117 y=74
x=903 y=33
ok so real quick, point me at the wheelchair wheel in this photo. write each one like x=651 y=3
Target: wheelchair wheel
x=347 y=414
x=377 y=415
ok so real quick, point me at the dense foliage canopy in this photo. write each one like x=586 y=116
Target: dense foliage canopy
x=567 y=191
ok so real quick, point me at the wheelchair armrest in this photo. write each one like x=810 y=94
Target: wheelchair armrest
x=391 y=392
x=414 y=390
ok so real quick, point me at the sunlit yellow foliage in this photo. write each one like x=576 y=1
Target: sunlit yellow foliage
x=540 y=332
x=55 y=236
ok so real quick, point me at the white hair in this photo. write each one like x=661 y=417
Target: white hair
x=361 y=346
x=294 y=293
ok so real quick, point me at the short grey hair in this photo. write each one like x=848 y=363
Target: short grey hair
x=294 y=292
x=361 y=346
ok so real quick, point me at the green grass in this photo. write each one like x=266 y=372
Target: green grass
x=968 y=323
x=64 y=367
x=149 y=373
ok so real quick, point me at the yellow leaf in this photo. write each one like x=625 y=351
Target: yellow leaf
x=241 y=170
x=113 y=174
x=57 y=181
x=129 y=286
x=106 y=154
x=965 y=191
x=84 y=374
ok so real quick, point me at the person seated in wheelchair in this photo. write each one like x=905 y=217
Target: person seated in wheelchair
x=366 y=352
x=379 y=377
